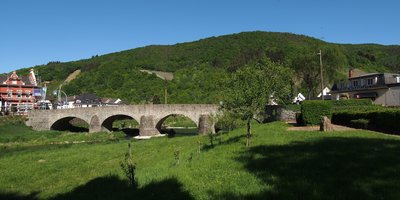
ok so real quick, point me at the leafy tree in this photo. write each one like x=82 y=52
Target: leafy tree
x=250 y=89
x=307 y=69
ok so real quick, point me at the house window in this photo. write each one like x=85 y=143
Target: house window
x=19 y=93
x=14 y=82
x=9 y=93
x=370 y=81
x=375 y=80
x=356 y=83
x=398 y=79
x=28 y=93
x=342 y=85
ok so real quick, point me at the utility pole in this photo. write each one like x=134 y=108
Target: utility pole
x=165 y=91
x=322 y=79
x=165 y=95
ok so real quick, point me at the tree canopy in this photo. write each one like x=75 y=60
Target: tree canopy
x=254 y=86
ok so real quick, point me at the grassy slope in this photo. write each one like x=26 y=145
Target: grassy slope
x=279 y=165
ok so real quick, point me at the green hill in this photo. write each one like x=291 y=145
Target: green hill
x=199 y=66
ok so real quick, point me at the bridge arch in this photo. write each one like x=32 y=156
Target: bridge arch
x=70 y=123
x=107 y=124
x=195 y=120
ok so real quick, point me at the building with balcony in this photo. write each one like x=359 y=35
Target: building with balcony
x=382 y=88
x=19 y=93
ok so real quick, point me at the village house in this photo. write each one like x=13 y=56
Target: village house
x=382 y=88
x=87 y=100
x=19 y=93
x=112 y=102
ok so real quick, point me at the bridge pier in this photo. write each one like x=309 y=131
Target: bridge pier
x=94 y=125
x=147 y=126
x=206 y=125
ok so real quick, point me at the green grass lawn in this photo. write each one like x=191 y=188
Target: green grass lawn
x=21 y=135
x=278 y=165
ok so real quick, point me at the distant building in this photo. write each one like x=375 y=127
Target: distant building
x=86 y=100
x=19 y=93
x=382 y=88
x=299 y=98
x=112 y=102
x=326 y=92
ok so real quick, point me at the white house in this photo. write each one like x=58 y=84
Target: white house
x=326 y=91
x=299 y=98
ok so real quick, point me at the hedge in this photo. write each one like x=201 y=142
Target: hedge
x=352 y=102
x=312 y=111
x=386 y=120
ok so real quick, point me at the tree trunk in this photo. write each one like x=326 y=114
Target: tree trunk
x=248 y=132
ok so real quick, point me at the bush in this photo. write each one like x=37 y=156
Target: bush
x=368 y=108
x=344 y=118
x=299 y=119
x=383 y=119
x=229 y=121
x=359 y=123
x=352 y=102
x=312 y=111
x=293 y=107
x=13 y=119
x=129 y=168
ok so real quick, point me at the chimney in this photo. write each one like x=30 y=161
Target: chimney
x=350 y=73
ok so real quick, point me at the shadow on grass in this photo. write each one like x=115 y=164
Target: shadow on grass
x=111 y=187
x=180 y=132
x=217 y=141
x=15 y=196
x=335 y=168
x=129 y=132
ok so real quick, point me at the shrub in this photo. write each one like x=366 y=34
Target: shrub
x=352 y=102
x=359 y=123
x=344 y=117
x=293 y=107
x=228 y=121
x=368 y=108
x=129 y=168
x=13 y=119
x=312 y=111
x=299 y=119
x=383 y=119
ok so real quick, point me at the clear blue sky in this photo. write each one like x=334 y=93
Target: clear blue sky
x=34 y=32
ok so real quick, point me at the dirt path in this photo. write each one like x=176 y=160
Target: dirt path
x=72 y=76
x=163 y=75
x=316 y=128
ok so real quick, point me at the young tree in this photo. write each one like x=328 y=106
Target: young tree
x=251 y=88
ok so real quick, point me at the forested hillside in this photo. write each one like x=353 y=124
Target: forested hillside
x=199 y=67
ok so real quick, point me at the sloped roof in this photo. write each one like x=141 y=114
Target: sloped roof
x=2 y=78
x=89 y=96
x=25 y=79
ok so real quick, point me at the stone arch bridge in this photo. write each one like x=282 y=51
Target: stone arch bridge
x=149 y=116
